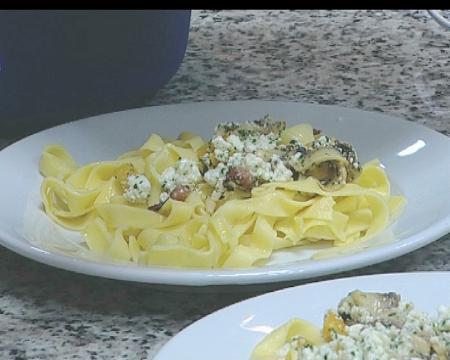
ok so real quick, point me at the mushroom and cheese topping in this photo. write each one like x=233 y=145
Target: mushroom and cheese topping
x=381 y=326
x=241 y=156
x=179 y=180
x=246 y=155
x=375 y=326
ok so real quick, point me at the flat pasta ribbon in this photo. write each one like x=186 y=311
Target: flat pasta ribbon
x=272 y=346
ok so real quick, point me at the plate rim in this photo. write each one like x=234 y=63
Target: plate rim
x=184 y=331
x=197 y=277
x=392 y=117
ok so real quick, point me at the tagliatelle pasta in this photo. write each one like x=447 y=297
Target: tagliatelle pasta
x=229 y=202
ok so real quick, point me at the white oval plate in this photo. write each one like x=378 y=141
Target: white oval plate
x=233 y=332
x=416 y=160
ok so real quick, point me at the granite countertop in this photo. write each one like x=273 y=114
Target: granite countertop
x=397 y=62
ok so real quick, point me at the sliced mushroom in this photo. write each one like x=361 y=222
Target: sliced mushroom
x=328 y=165
x=331 y=174
x=376 y=301
x=363 y=307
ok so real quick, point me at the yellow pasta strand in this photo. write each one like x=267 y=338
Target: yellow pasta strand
x=65 y=201
x=97 y=236
x=268 y=348
x=302 y=133
x=153 y=143
x=56 y=162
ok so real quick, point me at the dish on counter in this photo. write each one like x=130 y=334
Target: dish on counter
x=402 y=147
x=258 y=328
x=253 y=188
x=366 y=325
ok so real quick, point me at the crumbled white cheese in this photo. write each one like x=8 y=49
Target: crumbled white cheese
x=251 y=152
x=138 y=189
x=237 y=159
x=279 y=171
x=236 y=142
x=233 y=144
x=260 y=144
x=163 y=197
x=213 y=176
x=257 y=166
x=184 y=172
x=274 y=170
x=219 y=190
x=284 y=350
x=443 y=320
x=221 y=148
x=216 y=177
x=376 y=341
x=321 y=142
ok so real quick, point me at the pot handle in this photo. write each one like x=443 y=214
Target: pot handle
x=436 y=15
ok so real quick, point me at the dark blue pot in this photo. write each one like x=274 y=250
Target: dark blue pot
x=60 y=65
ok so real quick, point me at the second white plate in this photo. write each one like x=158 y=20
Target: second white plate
x=233 y=332
x=416 y=160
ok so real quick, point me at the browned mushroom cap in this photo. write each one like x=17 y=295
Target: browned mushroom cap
x=317 y=131
x=329 y=164
x=376 y=301
x=383 y=307
x=180 y=193
x=241 y=177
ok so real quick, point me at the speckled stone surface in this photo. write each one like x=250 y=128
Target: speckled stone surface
x=397 y=62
